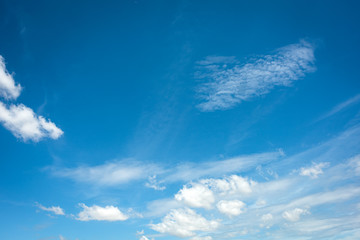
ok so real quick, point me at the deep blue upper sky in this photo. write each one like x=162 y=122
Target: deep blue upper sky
x=154 y=102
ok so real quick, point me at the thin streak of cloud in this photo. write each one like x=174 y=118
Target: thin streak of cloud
x=229 y=83
x=339 y=108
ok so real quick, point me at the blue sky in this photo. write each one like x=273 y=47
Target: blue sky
x=198 y=120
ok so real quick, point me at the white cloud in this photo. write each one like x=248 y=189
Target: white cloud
x=8 y=88
x=196 y=196
x=154 y=184
x=107 y=213
x=144 y=238
x=61 y=237
x=315 y=170
x=230 y=185
x=231 y=208
x=184 y=223
x=108 y=174
x=25 y=124
x=54 y=209
x=229 y=83
x=294 y=214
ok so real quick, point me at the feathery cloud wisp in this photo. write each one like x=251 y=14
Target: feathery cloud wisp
x=54 y=209
x=229 y=82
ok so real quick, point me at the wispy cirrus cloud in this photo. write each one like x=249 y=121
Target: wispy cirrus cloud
x=116 y=173
x=20 y=120
x=339 y=107
x=108 y=174
x=229 y=82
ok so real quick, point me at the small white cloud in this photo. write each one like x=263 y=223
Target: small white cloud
x=108 y=213
x=294 y=215
x=197 y=195
x=184 y=223
x=62 y=238
x=314 y=171
x=8 y=88
x=229 y=83
x=54 y=209
x=230 y=185
x=231 y=208
x=143 y=238
x=154 y=184
x=25 y=124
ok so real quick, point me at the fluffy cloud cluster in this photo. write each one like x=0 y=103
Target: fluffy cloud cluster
x=229 y=83
x=19 y=119
x=197 y=196
x=184 y=223
x=108 y=213
x=204 y=193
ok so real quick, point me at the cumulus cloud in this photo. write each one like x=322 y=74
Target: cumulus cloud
x=8 y=88
x=26 y=125
x=184 y=223
x=107 y=213
x=294 y=214
x=54 y=209
x=228 y=82
x=233 y=184
x=196 y=196
x=314 y=171
x=231 y=208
